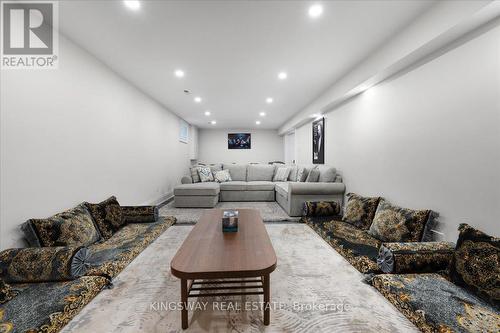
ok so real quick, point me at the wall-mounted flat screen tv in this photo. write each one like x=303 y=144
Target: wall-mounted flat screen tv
x=239 y=141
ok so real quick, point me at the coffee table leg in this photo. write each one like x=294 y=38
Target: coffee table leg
x=184 y=298
x=267 y=310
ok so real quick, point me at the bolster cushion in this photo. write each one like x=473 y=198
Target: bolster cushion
x=321 y=208
x=43 y=264
x=139 y=214
x=415 y=257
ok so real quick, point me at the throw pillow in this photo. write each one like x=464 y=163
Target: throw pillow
x=194 y=174
x=281 y=174
x=321 y=208
x=73 y=227
x=476 y=264
x=43 y=264
x=108 y=216
x=6 y=292
x=205 y=174
x=222 y=176
x=395 y=224
x=313 y=176
x=360 y=210
x=302 y=174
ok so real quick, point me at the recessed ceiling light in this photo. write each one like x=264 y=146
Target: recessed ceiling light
x=197 y=99
x=315 y=10
x=282 y=75
x=269 y=100
x=257 y=122
x=213 y=122
x=132 y=4
x=262 y=114
x=179 y=73
x=207 y=113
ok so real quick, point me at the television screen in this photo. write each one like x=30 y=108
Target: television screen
x=239 y=141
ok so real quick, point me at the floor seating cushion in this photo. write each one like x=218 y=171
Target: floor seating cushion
x=47 y=306
x=434 y=304
x=354 y=244
x=110 y=257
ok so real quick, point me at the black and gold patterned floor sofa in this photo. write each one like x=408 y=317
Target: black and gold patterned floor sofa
x=439 y=286
x=72 y=256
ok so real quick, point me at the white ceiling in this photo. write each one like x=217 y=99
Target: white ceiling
x=232 y=51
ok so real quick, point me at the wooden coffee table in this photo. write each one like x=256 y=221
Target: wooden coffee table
x=213 y=263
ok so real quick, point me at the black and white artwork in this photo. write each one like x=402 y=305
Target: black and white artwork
x=318 y=135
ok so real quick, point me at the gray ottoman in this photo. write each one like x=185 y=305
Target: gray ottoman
x=205 y=195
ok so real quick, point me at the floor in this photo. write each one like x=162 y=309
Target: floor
x=313 y=289
x=270 y=211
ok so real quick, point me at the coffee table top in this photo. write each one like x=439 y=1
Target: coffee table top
x=208 y=253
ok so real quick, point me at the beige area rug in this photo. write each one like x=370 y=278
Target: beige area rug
x=313 y=289
x=270 y=211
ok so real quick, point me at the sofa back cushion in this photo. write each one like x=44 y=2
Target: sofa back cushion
x=73 y=227
x=108 y=216
x=237 y=171
x=326 y=174
x=476 y=264
x=263 y=172
x=281 y=174
x=360 y=211
x=395 y=224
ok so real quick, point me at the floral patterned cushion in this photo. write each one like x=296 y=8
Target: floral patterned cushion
x=360 y=210
x=222 y=176
x=476 y=264
x=415 y=257
x=396 y=224
x=73 y=227
x=6 y=292
x=42 y=264
x=436 y=305
x=321 y=208
x=205 y=174
x=140 y=214
x=108 y=216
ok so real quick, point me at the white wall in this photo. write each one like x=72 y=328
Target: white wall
x=81 y=133
x=267 y=146
x=427 y=139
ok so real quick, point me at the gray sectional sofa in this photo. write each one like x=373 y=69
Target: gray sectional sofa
x=255 y=182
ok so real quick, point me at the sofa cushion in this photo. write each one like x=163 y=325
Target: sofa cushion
x=395 y=224
x=282 y=188
x=476 y=264
x=313 y=176
x=321 y=208
x=107 y=215
x=355 y=245
x=6 y=292
x=197 y=189
x=194 y=174
x=293 y=172
x=238 y=171
x=263 y=172
x=360 y=210
x=73 y=227
x=434 y=304
x=48 y=306
x=233 y=186
x=42 y=264
x=302 y=173
x=205 y=174
x=214 y=167
x=222 y=176
x=281 y=174
x=326 y=174
x=260 y=186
